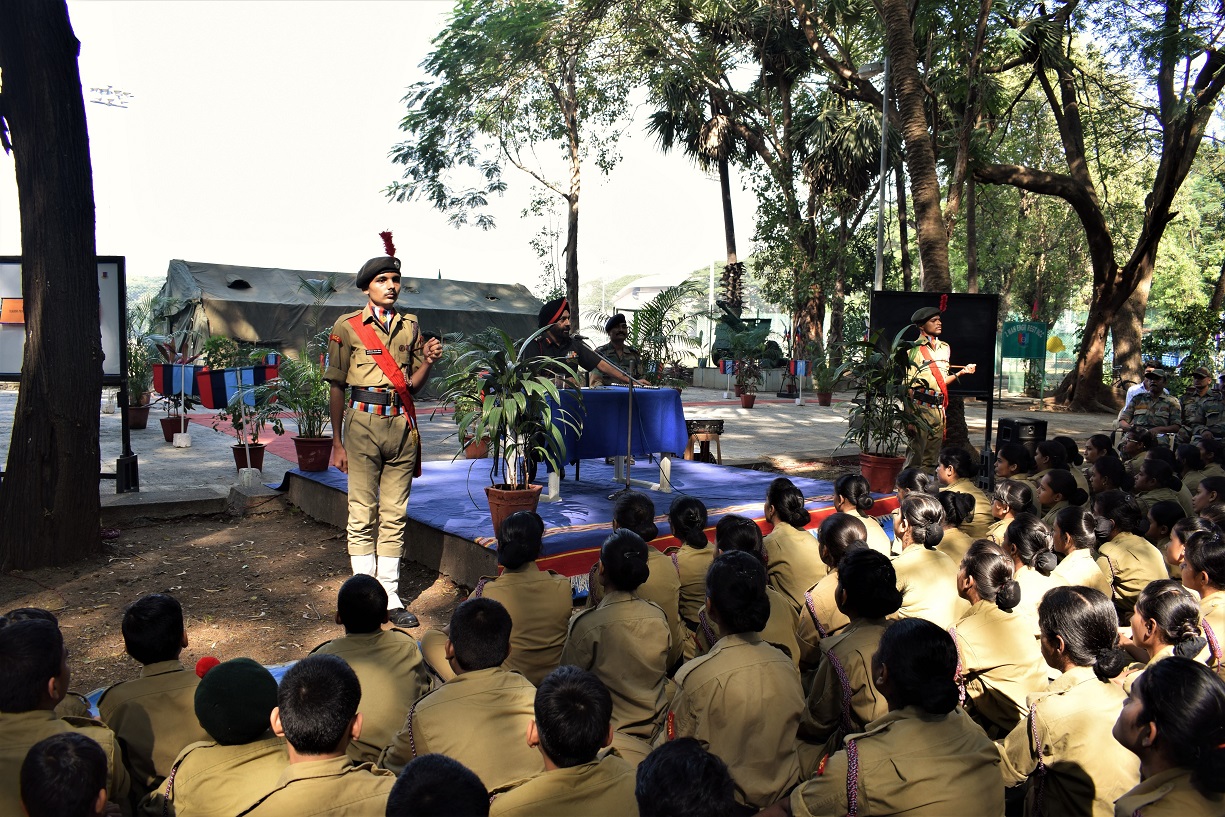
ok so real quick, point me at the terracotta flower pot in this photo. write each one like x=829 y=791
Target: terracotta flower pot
x=476 y=449
x=504 y=501
x=240 y=456
x=880 y=472
x=824 y=398
x=138 y=417
x=314 y=453
x=174 y=425
x=747 y=400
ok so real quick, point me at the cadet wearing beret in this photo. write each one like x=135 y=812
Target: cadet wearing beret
x=376 y=441
x=930 y=361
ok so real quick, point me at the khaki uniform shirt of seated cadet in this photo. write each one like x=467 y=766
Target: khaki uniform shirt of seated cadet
x=335 y=786
x=602 y=788
x=154 y=717
x=1132 y=464
x=976 y=526
x=1135 y=670
x=995 y=533
x=539 y=603
x=1080 y=568
x=691 y=566
x=389 y=666
x=1033 y=587
x=843 y=698
x=1191 y=480
x=955 y=543
x=21 y=730
x=1148 y=499
x=819 y=619
x=479 y=718
x=927 y=580
x=625 y=642
x=779 y=631
x=1065 y=749
x=1000 y=663
x=1131 y=562
x=912 y=763
x=793 y=562
x=662 y=588
x=742 y=701
x=212 y=780
x=878 y=540
x=1212 y=622
x=1169 y=794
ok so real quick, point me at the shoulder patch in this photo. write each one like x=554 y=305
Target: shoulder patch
x=335 y=338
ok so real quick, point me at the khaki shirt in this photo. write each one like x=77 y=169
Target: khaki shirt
x=1068 y=731
x=793 y=562
x=878 y=540
x=154 y=717
x=480 y=718
x=911 y=763
x=1148 y=499
x=1033 y=587
x=780 y=629
x=1080 y=568
x=836 y=708
x=995 y=533
x=1001 y=665
x=819 y=619
x=539 y=603
x=335 y=786
x=392 y=676
x=662 y=587
x=211 y=780
x=691 y=565
x=742 y=701
x=956 y=542
x=927 y=580
x=1131 y=562
x=923 y=370
x=1212 y=618
x=1169 y=794
x=348 y=363
x=628 y=359
x=602 y=788
x=976 y=526
x=1191 y=480
x=21 y=730
x=625 y=642
x=1049 y=514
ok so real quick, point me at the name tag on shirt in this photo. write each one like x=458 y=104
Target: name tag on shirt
x=374 y=351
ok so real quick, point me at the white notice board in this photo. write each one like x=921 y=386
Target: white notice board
x=110 y=315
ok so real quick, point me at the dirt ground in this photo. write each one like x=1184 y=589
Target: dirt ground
x=262 y=587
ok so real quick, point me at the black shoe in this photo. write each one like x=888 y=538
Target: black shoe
x=402 y=618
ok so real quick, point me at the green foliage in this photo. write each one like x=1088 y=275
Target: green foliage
x=299 y=390
x=664 y=329
x=143 y=352
x=248 y=420
x=221 y=352
x=508 y=396
x=882 y=407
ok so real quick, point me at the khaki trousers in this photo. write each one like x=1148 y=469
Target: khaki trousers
x=382 y=454
x=924 y=449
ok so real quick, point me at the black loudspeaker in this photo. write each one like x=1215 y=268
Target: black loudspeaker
x=1021 y=430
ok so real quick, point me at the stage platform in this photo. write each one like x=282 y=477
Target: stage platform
x=449 y=528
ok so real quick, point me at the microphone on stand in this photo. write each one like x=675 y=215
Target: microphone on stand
x=579 y=337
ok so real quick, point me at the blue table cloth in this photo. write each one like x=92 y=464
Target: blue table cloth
x=658 y=423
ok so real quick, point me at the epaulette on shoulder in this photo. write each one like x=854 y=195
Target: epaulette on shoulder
x=80 y=721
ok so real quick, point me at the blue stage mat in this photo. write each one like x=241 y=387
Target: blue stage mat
x=450 y=496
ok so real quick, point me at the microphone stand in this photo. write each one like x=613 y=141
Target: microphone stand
x=629 y=428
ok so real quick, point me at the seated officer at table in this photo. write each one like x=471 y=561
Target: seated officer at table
x=558 y=344
x=616 y=351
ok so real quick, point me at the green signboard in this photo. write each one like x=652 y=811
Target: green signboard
x=1024 y=339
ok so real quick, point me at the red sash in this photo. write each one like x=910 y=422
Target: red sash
x=389 y=368
x=932 y=366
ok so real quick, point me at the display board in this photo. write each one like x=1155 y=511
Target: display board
x=969 y=328
x=1024 y=339
x=110 y=316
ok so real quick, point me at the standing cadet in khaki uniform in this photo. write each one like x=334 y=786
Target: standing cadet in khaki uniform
x=27 y=705
x=539 y=601
x=229 y=773
x=926 y=577
x=480 y=716
x=573 y=723
x=929 y=361
x=1064 y=747
x=793 y=561
x=925 y=758
x=387 y=662
x=317 y=715
x=153 y=715
x=376 y=441
x=742 y=699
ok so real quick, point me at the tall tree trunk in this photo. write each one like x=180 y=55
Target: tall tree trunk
x=1218 y=292
x=1127 y=331
x=837 y=312
x=570 y=117
x=49 y=497
x=903 y=228
x=971 y=237
x=920 y=157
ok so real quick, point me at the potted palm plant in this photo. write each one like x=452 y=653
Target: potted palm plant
x=882 y=408
x=142 y=352
x=502 y=392
x=747 y=348
x=825 y=379
x=300 y=392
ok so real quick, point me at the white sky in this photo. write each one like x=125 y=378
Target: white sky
x=258 y=135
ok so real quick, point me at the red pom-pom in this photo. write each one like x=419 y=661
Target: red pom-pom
x=387 y=245
x=205 y=664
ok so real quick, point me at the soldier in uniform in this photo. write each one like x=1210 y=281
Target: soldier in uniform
x=480 y=716
x=36 y=676
x=929 y=360
x=559 y=344
x=1128 y=559
x=387 y=662
x=573 y=723
x=224 y=775
x=380 y=356
x=1152 y=409
x=925 y=576
x=317 y=715
x=1203 y=410
x=153 y=715
x=626 y=358
x=742 y=699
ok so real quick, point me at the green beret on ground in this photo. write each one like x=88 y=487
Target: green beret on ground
x=922 y=316
x=234 y=701
x=373 y=267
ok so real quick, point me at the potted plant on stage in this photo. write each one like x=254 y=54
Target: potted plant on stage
x=300 y=392
x=882 y=408
x=245 y=409
x=142 y=353
x=508 y=395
